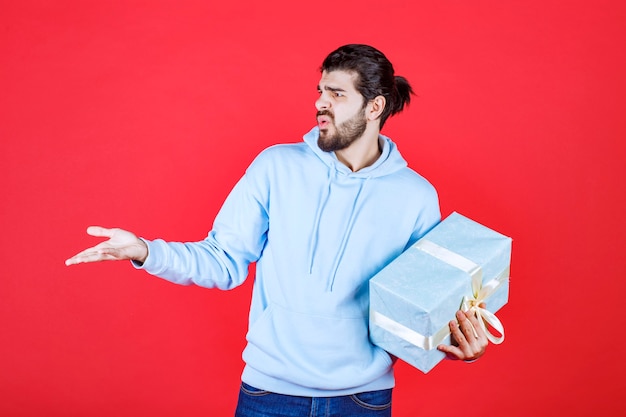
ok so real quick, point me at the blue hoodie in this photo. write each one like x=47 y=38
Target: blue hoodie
x=318 y=232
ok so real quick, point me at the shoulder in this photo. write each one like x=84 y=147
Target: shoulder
x=413 y=183
x=423 y=197
x=415 y=191
x=284 y=149
x=280 y=152
x=278 y=160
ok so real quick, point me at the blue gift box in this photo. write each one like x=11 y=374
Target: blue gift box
x=456 y=265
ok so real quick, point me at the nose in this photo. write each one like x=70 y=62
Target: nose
x=322 y=102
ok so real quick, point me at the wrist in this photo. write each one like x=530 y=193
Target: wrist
x=143 y=252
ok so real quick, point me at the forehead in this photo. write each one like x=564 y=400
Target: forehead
x=338 y=79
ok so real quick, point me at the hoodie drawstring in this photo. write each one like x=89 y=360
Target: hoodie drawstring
x=320 y=209
x=346 y=237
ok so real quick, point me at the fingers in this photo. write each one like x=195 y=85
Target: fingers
x=82 y=258
x=469 y=336
x=466 y=326
x=453 y=352
x=88 y=255
x=95 y=254
x=476 y=326
x=99 y=231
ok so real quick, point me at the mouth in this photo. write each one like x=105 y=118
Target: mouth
x=323 y=121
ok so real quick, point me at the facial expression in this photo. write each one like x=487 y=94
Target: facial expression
x=340 y=111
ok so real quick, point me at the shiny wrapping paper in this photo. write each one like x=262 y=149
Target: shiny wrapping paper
x=457 y=265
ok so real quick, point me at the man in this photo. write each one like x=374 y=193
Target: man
x=319 y=218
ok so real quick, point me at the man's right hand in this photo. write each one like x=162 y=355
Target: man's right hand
x=122 y=245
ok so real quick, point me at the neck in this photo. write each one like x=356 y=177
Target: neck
x=363 y=152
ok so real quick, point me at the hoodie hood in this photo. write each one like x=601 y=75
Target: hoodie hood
x=389 y=162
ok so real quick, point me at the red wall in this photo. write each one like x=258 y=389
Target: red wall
x=144 y=114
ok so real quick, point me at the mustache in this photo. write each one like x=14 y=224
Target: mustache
x=325 y=113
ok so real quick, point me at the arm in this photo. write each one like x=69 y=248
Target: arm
x=221 y=260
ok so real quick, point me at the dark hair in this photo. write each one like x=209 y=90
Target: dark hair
x=375 y=76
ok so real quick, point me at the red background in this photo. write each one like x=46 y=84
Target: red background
x=144 y=114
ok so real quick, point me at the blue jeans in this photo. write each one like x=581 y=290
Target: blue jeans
x=254 y=402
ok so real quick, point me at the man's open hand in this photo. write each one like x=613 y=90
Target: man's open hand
x=122 y=245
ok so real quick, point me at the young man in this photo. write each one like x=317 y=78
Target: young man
x=319 y=218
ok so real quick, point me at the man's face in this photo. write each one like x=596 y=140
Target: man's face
x=340 y=111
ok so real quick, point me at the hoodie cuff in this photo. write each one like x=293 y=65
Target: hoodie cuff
x=150 y=264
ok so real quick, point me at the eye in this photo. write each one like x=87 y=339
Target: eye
x=338 y=94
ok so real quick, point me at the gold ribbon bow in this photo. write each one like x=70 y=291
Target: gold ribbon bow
x=479 y=295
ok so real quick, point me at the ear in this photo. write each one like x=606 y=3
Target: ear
x=375 y=107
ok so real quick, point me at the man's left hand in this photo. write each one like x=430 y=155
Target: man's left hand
x=471 y=341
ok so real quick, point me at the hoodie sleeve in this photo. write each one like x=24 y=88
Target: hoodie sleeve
x=429 y=215
x=236 y=240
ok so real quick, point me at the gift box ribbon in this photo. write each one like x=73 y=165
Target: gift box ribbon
x=480 y=293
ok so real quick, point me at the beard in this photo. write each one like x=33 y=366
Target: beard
x=345 y=133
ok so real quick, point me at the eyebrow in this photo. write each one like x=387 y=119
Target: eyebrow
x=333 y=89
